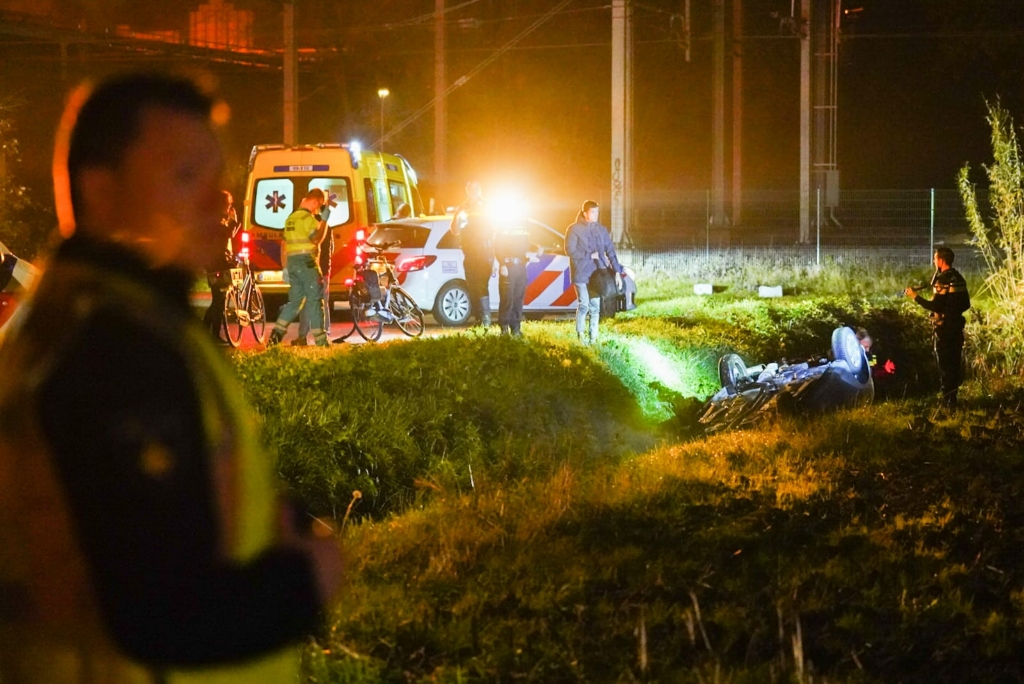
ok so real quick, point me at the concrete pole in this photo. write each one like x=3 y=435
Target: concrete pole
x=291 y=77
x=621 y=119
x=737 y=112
x=804 y=27
x=718 y=118
x=440 y=103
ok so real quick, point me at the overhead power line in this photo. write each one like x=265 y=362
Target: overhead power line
x=424 y=18
x=462 y=80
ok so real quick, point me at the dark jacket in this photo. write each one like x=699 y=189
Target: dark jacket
x=119 y=388
x=512 y=242
x=583 y=239
x=477 y=236
x=950 y=302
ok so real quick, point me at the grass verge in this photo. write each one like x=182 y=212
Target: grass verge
x=540 y=511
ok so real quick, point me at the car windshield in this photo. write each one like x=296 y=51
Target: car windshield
x=545 y=237
x=411 y=236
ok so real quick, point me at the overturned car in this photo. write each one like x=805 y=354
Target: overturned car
x=813 y=386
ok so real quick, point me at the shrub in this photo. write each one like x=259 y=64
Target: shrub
x=441 y=414
x=1001 y=244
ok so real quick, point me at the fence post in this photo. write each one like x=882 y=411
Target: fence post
x=931 y=228
x=707 y=227
x=817 y=258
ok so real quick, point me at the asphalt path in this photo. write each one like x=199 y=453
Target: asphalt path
x=341 y=326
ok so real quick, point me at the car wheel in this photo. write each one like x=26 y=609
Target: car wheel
x=846 y=347
x=452 y=306
x=732 y=371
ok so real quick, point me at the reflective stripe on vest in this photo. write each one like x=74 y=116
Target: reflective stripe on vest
x=50 y=626
x=298 y=228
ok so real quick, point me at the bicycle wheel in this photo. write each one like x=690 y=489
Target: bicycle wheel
x=347 y=331
x=233 y=326
x=257 y=313
x=407 y=315
x=370 y=329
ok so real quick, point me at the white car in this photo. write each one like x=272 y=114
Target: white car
x=428 y=262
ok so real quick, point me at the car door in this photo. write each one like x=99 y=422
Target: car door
x=548 y=281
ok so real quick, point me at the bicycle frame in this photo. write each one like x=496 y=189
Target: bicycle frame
x=395 y=306
x=243 y=304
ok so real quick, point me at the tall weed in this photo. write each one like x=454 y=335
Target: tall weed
x=1001 y=243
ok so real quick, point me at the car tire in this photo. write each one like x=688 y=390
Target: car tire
x=732 y=371
x=452 y=306
x=846 y=347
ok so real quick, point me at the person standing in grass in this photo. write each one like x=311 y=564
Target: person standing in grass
x=511 y=243
x=304 y=230
x=589 y=246
x=476 y=238
x=141 y=537
x=947 y=307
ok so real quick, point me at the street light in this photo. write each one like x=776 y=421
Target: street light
x=382 y=93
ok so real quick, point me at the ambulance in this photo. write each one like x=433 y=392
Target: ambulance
x=363 y=187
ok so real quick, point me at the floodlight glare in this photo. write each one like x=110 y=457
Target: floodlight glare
x=507 y=206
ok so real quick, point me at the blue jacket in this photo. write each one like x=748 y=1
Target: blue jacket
x=583 y=239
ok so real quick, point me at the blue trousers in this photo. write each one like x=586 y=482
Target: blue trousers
x=306 y=288
x=586 y=306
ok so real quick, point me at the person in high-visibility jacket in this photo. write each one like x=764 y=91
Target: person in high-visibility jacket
x=304 y=230
x=141 y=539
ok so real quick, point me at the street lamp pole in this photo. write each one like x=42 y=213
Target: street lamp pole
x=382 y=93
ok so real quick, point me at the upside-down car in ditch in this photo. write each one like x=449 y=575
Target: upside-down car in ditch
x=812 y=386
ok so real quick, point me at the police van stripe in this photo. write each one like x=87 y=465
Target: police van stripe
x=567 y=298
x=538 y=285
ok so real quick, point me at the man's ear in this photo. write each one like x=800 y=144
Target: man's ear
x=97 y=197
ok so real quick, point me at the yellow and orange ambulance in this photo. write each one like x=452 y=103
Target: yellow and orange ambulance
x=363 y=187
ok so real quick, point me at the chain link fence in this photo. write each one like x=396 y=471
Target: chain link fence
x=900 y=227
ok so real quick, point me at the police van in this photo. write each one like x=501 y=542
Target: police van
x=363 y=187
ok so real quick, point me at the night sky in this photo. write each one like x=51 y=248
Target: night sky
x=914 y=76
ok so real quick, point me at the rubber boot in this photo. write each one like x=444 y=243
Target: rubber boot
x=485 y=312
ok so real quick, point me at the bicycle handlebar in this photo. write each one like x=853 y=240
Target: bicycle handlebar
x=382 y=247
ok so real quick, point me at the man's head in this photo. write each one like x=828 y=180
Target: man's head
x=590 y=211
x=137 y=162
x=865 y=339
x=313 y=200
x=473 y=190
x=943 y=258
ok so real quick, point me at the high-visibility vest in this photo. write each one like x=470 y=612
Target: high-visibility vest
x=50 y=626
x=298 y=229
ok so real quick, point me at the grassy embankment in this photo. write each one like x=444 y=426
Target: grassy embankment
x=544 y=512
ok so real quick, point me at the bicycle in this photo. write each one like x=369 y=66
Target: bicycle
x=393 y=305
x=243 y=304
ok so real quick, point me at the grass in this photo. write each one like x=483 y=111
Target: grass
x=540 y=511
x=882 y=544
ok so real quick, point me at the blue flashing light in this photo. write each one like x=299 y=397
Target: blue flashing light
x=355 y=151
